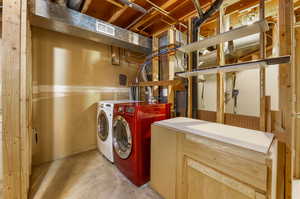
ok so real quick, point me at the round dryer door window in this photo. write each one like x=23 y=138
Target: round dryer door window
x=103 y=126
x=122 y=140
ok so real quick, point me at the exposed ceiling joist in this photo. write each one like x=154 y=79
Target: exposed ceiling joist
x=116 y=3
x=157 y=7
x=154 y=14
x=86 y=6
x=159 y=14
x=117 y=14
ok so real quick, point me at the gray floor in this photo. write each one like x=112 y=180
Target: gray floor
x=84 y=176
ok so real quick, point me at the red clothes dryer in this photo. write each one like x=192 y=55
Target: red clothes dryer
x=132 y=136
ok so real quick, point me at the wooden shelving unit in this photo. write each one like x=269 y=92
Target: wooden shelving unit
x=285 y=128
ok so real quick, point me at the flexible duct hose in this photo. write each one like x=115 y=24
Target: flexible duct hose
x=145 y=79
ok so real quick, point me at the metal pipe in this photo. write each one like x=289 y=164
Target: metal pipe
x=134 y=6
x=195 y=30
x=75 y=4
x=60 y=2
x=241 y=47
x=198 y=7
x=145 y=79
x=216 y=5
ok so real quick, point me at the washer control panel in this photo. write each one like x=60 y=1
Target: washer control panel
x=130 y=109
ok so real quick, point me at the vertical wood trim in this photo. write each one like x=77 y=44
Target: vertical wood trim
x=268 y=113
x=281 y=171
x=29 y=94
x=297 y=128
x=181 y=168
x=155 y=66
x=262 y=71
x=24 y=100
x=220 y=97
x=190 y=65
x=171 y=92
x=220 y=75
x=15 y=133
x=286 y=86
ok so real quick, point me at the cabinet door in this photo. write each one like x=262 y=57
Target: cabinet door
x=202 y=182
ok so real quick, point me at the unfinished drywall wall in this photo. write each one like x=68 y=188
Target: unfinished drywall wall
x=248 y=100
x=207 y=93
x=247 y=82
x=70 y=76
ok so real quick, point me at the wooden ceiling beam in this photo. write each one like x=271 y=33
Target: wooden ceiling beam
x=180 y=5
x=86 y=6
x=157 y=7
x=148 y=25
x=116 y=3
x=117 y=14
x=144 y=33
x=153 y=14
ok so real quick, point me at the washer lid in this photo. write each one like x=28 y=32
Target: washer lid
x=103 y=126
x=122 y=140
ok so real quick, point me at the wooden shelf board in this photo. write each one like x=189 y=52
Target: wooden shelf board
x=238 y=66
x=157 y=83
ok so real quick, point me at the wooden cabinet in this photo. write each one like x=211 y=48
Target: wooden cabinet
x=189 y=166
x=202 y=181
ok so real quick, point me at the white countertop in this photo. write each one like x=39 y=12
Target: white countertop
x=246 y=138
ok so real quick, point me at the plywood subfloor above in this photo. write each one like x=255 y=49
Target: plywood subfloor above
x=83 y=176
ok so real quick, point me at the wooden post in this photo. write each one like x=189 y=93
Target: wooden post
x=16 y=148
x=172 y=61
x=220 y=75
x=286 y=89
x=155 y=66
x=190 y=66
x=262 y=71
x=297 y=130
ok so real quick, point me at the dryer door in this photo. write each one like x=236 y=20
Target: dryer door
x=103 y=126
x=122 y=140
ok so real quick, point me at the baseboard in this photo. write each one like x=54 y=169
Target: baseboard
x=92 y=147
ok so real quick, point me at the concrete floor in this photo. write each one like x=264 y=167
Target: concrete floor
x=84 y=176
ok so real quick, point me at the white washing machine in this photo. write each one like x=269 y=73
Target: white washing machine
x=104 y=127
